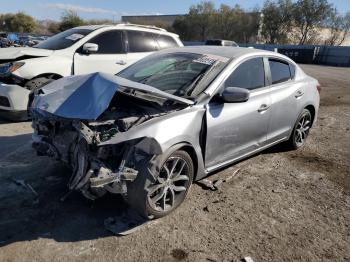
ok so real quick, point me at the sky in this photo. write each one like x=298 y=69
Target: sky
x=114 y=9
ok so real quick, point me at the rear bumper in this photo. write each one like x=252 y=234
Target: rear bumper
x=14 y=101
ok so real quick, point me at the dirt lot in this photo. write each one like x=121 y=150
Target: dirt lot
x=281 y=206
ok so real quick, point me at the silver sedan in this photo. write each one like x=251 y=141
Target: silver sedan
x=171 y=119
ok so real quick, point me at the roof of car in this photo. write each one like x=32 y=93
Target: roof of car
x=224 y=51
x=127 y=26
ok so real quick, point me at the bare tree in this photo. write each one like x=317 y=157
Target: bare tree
x=345 y=25
x=309 y=15
x=277 y=21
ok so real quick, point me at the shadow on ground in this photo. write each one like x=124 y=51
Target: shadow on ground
x=9 y=144
x=27 y=214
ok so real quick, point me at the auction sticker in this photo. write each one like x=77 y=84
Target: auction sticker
x=74 y=37
x=210 y=59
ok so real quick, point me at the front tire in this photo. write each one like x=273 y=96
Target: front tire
x=301 y=130
x=155 y=196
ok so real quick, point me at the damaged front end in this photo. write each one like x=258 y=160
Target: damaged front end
x=96 y=169
x=101 y=111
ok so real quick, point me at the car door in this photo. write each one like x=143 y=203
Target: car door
x=140 y=44
x=285 y=93
x=236 y=129
x=110 y=57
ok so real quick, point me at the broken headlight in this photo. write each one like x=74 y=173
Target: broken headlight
x=10 y=67
x=15 y=66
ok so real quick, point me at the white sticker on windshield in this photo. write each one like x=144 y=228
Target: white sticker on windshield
x=210 y=59
x=74 y=37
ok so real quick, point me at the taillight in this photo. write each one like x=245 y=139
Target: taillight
x=318 y=86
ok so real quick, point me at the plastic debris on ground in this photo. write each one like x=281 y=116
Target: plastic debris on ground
x=214 y=185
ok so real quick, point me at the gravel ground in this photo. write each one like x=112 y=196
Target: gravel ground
x=280 y=206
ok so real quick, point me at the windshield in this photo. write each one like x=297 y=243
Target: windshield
x=64 y=39
x=180 y=74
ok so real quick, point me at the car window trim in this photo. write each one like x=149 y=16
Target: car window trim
x=157 y=47
x=278 y=59
x=221 y=86
x=124 y=50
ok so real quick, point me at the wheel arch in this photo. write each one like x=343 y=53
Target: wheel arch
x=312 y=110
x=48 y=75
x=188 y=148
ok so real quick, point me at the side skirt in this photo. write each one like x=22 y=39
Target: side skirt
x=229 y=162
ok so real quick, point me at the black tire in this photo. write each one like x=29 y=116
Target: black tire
x=297 y=138
x=35 y=84
x=139 y=192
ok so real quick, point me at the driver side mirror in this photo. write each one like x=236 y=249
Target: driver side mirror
x=235 y=95
x=89 y=48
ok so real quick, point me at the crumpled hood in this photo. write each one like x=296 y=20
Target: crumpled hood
x=88 y=96
x=16 y=52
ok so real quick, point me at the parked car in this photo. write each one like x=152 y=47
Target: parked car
x=170 y=119
x=220 y=42
x=76 y=51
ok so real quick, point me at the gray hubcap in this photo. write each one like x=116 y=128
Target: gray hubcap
x=170 y=186
x=302 y=130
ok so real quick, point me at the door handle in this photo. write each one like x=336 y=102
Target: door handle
x=121 y=62
x=299 y=93
x=263 y=108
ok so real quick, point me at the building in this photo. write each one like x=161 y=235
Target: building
x=164 y=20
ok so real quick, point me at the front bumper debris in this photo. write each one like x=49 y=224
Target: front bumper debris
x=93 y=173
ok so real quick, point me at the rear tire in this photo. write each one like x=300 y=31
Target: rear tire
x=300 y=131
x=155 y=196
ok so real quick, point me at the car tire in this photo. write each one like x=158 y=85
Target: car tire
x=300 y=131
x=34 y=84
x=156 y=195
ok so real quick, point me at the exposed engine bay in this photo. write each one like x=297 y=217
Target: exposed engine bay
x=98 y=168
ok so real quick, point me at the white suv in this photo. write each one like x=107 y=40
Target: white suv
x=80 y=50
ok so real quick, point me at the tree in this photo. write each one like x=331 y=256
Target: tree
x=53 y=27
x=69 y=20
x=345 y=25
x=182 y=27
x=201 y=18
x=334 y=24
x=227 y=23
x=20 y=23
x=309 y=15
x=249 y=26
x=277 y=21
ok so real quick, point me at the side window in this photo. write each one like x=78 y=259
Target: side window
x=279 y=71
x=250 y=75
x=110 y=42
x=166 y=41
x=141 y=41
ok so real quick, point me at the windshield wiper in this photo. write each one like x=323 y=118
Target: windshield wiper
x=195 y=82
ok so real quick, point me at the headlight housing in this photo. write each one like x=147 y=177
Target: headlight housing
x=10 y=67
x=4 y=68
x=15 y=66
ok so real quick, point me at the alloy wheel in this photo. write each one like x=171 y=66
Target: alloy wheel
x=302 y=129
x=171 y=184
